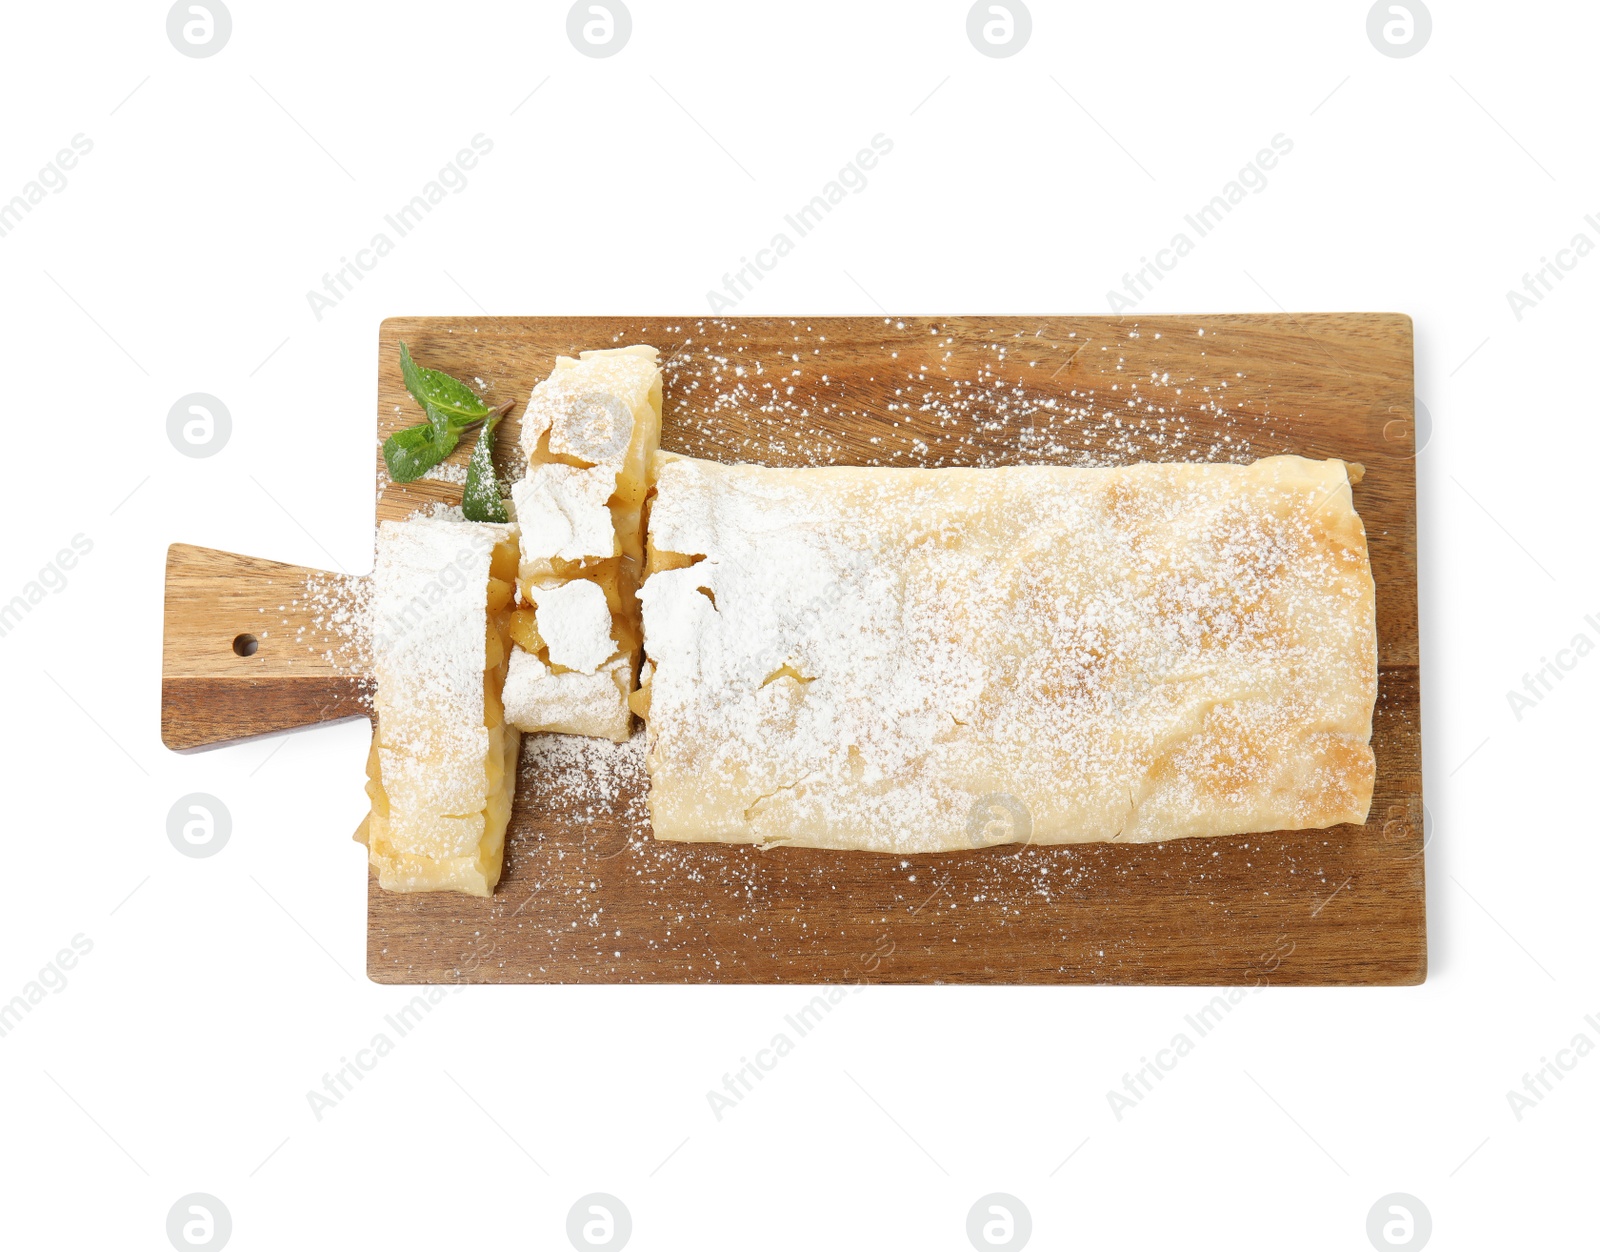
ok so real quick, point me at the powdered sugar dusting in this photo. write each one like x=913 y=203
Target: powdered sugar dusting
x=429 y=655
x=332 y=620
x=577 y=770
x=337 y=609
x=439 y=511
x=1016 y=404
x=875 y=660
x=587 y=407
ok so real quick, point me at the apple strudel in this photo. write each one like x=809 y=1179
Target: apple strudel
x=590 y=433
x=443 y=765
x=908 y=660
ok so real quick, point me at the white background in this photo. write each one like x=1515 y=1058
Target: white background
x=177 y=259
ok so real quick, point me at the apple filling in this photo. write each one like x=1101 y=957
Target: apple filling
x=590 y=433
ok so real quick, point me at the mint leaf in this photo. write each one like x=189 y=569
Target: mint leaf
x=442 y=424
x=412 y=452
x=480 y=499
x=443 y=399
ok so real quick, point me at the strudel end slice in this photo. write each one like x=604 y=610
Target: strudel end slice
x=443 y=765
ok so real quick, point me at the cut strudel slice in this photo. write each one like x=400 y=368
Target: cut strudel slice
x=904 y=660
x=443 y=766
x=590 y=433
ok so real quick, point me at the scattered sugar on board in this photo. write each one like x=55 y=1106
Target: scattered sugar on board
x=439 y=511
x=1016 y=404
x=591 y=847
x=335 y=625
x=575 y=770
x=448 y=472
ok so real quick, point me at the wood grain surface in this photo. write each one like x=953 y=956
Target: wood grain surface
x=589 y=896
x=210 y=692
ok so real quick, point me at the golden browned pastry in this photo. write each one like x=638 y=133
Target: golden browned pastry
x=907 y=660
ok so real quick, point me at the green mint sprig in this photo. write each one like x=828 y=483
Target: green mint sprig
x=412 y=452
x=451 y=408
x=480 y=499
x=439 y=394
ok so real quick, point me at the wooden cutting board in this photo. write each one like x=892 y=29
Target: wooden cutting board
x=589 y=896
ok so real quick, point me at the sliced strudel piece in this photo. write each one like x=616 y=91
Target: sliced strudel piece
x=590 y=433
x=443 y=766
x=569 y=702
x=900 y=660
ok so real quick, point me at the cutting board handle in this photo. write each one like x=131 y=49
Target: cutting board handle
x=251 y=647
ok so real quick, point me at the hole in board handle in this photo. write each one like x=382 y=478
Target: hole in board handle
x=245 y=645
